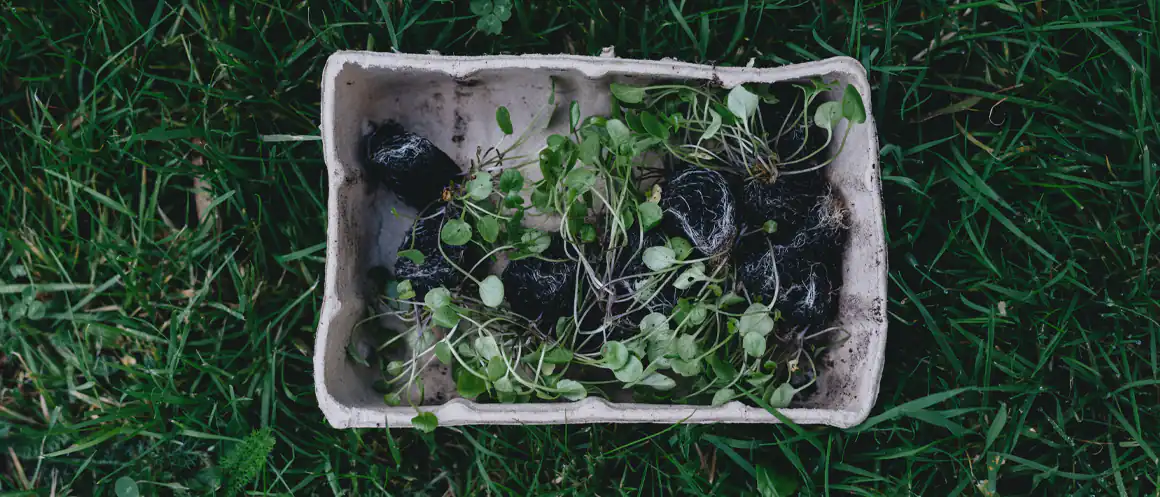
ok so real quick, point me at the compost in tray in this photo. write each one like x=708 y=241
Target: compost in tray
x=688 y=284
x=408 y=164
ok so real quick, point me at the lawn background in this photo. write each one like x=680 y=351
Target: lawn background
x=140 y=346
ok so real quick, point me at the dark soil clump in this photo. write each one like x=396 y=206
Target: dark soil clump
x=699 y=205
x=408 y=164
x=542 y=290
x=436 y=270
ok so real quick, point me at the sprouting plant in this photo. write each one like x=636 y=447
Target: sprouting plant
x=492 y=14
x=664 y=314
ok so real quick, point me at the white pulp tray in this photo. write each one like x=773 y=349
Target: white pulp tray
x=452 y=102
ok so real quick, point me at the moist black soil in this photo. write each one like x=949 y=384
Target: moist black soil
x=699 y=205
x=408 y=164
x=805 y=280
x=436 y=270
x=787 y=201
x=542 y=290
x=792 y=137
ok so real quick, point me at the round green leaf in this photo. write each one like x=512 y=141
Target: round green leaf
x=742 y=102
x=395 y=368
x=687 y=347
x=689 y=276
x=437 y=297
x=425 y=422
x=126 y=487
x=631 y=371
x=659 y=258
x=571 y=389
x=650 y=214
x=754 y=344
x=782 y=396
x=443 y=352
x=685 y=368
x=827 y=115
x=769 y=227
x=455 y=232
x=405 y=290
x=502 y=9
x=654 y=126
x=479 y=187
x=446 y=316
x=481 y=7
x=496 y=368
x=682 y=249
x=658 y=381
x=627 y=94
x=580 y=179
x=469 y=385
x=654 y=323
x=590 y=150
x=491 y=291
x=488 y=228
x=852 y=107
x=722 y=396
x=756 y=320
x=489 y=24
x=504 y=385
x=587 y=233
x=486 y=347
x=413 y=255
x=536 y=241
x=615 y=355
x=619 y=133
x=36 y=310
x=17 y=311
x=511 y=180
x=714 y=125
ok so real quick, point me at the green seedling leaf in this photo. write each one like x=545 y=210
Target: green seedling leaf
x=437 y=297
x=504 y=385
x=489 y=24
x=551 y=165
x=659 y=258
x=481 y=7
x=587 y=233
x=722 y=370
x=513 y=200
x=395 y=368
x=392 y=399
x=502 y=9
x=17 y=311
x=496 y=368
x=742 y=102
x=619 y=133
x=469 y=385
x=536 y=241
x=730 y=299
x=571 y=390
x=627 y=94
x=655 y=127
x=687 y=348
x=542 y=198
x=488 y=228
x=654 y=323
x=689 y=276
x=443 y=352
x=827 y=116
x=685 y=368
x=425 y=422
x=714 y=125
x=614 y=354
x=650 y=214
x=446 y=316
x=479 y=187
x=772 y=484
x=555 y=355
x=754 y=344
x=486 y=347
x=722 y=396
x=682 y=249
x=511 y=181
x=414 y=255
x=590 y=150
x=580 y=180
x=658 y=381
x=782 y=396
x=126 y=487
x=631 y=371
x=574 y=116
x=404 y=289
x=491 y=291
x=852 y=107
x=769 y=227
x=756 y=320
x=504 y=119
x=455 y=232
x=556 y=142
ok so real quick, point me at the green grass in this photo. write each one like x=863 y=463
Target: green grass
x=1019 y=162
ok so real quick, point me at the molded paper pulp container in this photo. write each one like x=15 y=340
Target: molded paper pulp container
x=452 y=102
